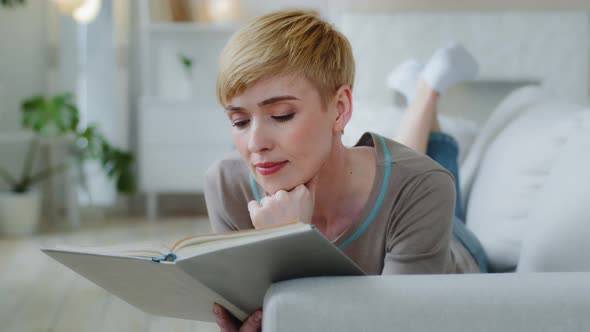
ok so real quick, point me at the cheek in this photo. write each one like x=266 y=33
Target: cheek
x=240 y=142
x=312 y=142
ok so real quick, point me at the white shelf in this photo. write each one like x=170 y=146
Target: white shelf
x=506 y=80
x=190 y=27
x=195 y=103
x=178 y=139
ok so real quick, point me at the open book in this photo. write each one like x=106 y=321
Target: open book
x=233 y=269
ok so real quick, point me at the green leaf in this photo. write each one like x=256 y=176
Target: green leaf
x=186 y=62
x=50 y=117
x=59 y=116
x=10 y=3
x=118 y=164
x=91 y=142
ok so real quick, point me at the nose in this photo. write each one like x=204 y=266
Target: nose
x=260 y=139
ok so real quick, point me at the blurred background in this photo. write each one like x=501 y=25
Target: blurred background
x=108 y=117
x=143 y=73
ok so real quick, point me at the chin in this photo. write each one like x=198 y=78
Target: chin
x=271 y=187
x=286 y=181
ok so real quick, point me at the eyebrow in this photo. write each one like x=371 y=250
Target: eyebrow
x=262 y=103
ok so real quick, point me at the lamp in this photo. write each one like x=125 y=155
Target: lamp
x=222 y=11
x=83 y=11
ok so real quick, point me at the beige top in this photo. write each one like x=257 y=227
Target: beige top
x=405 y=227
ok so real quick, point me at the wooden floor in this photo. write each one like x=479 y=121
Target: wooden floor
x=39 y=294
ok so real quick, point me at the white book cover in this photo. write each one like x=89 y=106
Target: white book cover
x=233 y=269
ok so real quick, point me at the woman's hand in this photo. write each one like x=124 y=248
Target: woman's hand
x=285 y=206
x=228 y=323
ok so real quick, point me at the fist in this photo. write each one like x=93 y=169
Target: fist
x=285 y=206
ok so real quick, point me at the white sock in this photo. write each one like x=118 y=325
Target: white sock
x=404 y=78
x=448 y=66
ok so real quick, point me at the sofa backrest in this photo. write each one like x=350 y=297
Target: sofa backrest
x=510 y=165
x=558 y=240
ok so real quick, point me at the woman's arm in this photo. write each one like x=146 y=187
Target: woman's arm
x=216 y=201
x=420 y=240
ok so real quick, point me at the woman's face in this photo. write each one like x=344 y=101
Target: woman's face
x=281 y=131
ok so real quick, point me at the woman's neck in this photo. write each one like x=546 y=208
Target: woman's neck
x=344 y=186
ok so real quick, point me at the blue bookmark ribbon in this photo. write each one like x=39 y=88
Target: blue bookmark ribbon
x=165 y=258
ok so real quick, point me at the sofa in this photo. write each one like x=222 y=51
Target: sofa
x=525 y=184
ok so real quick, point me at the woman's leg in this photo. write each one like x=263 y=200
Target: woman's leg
x=419 y=129
x=419 y=119
x=422 y=86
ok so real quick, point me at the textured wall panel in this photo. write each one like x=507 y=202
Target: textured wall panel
x=551 y=47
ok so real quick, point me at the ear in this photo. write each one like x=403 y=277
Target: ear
x=343 y=108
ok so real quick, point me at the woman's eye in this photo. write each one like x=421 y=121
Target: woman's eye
x=241 y=124
x=283 y=118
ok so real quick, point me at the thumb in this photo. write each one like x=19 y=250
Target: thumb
x=312 y=185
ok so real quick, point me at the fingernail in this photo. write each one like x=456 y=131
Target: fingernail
x=258 y=316
x=216 y=309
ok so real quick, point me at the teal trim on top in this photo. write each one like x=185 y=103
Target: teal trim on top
x=254 y=189
x=379 y=201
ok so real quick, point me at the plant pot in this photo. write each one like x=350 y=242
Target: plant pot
x=19 y=212
x=185 y=86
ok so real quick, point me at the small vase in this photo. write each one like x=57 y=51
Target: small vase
x=19 y=213
x=186 y=86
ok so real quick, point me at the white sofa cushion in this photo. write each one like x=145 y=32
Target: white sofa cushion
x=385 y=119
x=511 y=107
x=515 y=165
x=558 y=238
x=455 y=302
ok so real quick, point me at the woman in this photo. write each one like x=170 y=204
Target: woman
x=285 y=81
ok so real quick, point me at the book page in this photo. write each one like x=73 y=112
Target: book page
x=205 y=243
x=188 y=246
x=137 y=249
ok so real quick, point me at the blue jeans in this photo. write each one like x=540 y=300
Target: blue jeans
x=444 y=149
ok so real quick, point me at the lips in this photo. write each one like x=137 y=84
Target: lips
x=268 y=168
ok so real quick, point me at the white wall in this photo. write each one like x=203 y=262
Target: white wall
x=23 y=65
x=548 y=47
x=23 y=58
x=458 y=5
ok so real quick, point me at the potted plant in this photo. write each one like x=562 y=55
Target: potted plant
x=185 y=85
x=10 y=3
x=50 y=118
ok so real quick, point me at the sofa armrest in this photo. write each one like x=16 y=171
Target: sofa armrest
x=468 y=302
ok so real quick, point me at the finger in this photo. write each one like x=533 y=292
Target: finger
x=280 y=195
x=226 y=321
x=253 y=206
x=312 y=185
x=264 y=201
x=299 y=190
x=253 y=323
x=253 y=209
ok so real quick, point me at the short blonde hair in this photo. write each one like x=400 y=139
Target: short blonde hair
x=285 y=42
